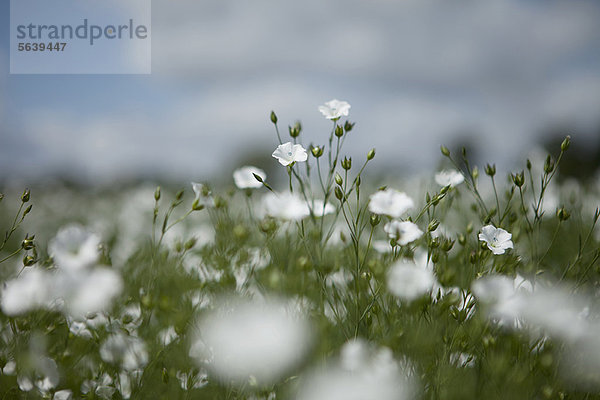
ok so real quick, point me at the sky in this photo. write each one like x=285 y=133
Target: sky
x=418 y=73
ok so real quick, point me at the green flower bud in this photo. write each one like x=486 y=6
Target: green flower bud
x=348 y=126
x=490 y=170
x=303 y=263
x=549 y=165
x=268 y=225
x=447 y=245
x=528 y=165
x=445 y=151
x=339 y=131
x=433 y=225
x=240 y=232
x=25 y=196
x=317 y=151
x=338 y=179
x=518 y=179
x=27 y=210
x=563 y=214
x=470 y=227
x=196 y=206
x=371 y=154
x=165 y=376
x=179 y=195
x=565 y=144
x=475 y=172
x=462 y=239
x=28 y=261
x=347 y=163
x=338 y=193
x=157 y=193
x=473 y=257
x=273 y=117
x=375 y=220
x=27 y=244
x=294 y=131
x=190 y=243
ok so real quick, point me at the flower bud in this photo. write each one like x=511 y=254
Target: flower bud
x=339 y=131
x=338 y=179
x=470 y=227
x=375 y=220
x=27 y=210
x=462 y=239
x=240 y=232
x=190 y=243
x=268 y=225
x=179 y=195
x=475 y=172
x=1 y=196
x=565 y=144
x=196 y=206
x=294 y=131
x=338 y=193
x=528 y=165
x=445 y=151
x=25 y=196
x=490 y=170
x=447 y=244
x=165 y=375
x=519 y=179
x=273 y=117
x=347 y=163
x=348 y=126
x=371 y=154
x=157 y=193
x=317 y=151
x=549 y=165
x=28 y=261
x=27 y=244
x=433 y=225
x=562 y=214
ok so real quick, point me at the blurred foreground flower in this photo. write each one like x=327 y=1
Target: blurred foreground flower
x=390 y=202
x=449 y=178
x=74 y=248
x=363 y=372
x=287 y=206
x=408 y=281
x=497 y=239
x=244 y=177
x=289 y=153
x=404 y=232
x=334 y=109
x=260 y=340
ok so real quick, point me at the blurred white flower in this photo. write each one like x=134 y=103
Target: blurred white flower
x=502 y=297
x=408 y=281
x=244 y=177
x=363 y=372
x=128 y=351
x=449 y=177
x=497 y=239
x=263 y=339
x=334 y=109
x=288 y=153
x=29 y=291
x=287 y=206
x=74 y=248
x=89 y=292
x=319 y=208
x=64 y=394
x=203 y=195
x=404 y=232
x=390 y=202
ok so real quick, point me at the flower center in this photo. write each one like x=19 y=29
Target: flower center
x=289 y=153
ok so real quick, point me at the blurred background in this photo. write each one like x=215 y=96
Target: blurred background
x=498 y=76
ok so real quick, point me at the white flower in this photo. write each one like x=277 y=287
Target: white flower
x=363 y=372
x=264 y=339
x=74 y=248
x=319 y=208
x=390 y=202
x=128 y=351
x=334 y=109
x=408 y=281
x=244 y=177
x=449 y=177
x=404 y=232
x=89 y=292
x=286 y=206
x=203 y=195
x=288 y=153
x=29 y=291
x=497 y=239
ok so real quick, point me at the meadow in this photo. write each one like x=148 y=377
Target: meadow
x=326 y=284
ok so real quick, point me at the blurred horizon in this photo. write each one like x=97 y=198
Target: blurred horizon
x=501 y=78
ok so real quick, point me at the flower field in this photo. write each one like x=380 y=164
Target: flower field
x=320 y=283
